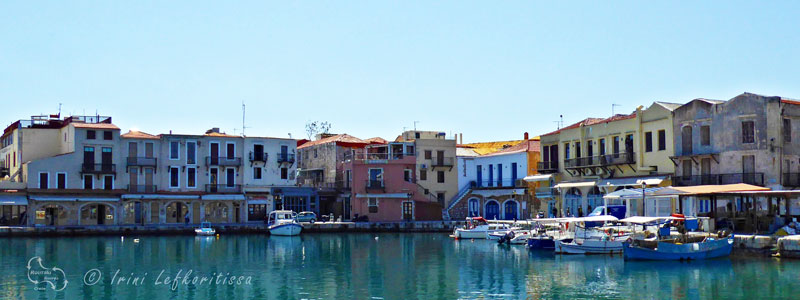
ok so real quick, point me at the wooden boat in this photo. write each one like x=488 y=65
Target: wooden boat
x=283 y=222
x=682 y=247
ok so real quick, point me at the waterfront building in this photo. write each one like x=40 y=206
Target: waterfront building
x=492 y=185
x=321 y=167
x=596 y=156
x=270 y=168
x=436 y=161
x=384 y=185
x=748 y=139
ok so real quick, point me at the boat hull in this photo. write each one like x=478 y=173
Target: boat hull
x=285 y=229
x=691 y=251
x=588 y=247
x=204 y=232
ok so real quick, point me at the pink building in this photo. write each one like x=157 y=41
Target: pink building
x=384 y=187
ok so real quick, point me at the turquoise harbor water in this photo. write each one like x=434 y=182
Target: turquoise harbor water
x=366 y=266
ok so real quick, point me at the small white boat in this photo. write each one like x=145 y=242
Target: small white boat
x=496 y=235
x=205 y=229
x=595 y=240
x=478 y=228
x=284 y=223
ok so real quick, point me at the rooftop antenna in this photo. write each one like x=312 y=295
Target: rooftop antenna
x=243 y=114
x=560 y=122
x=415 y=125
x=612 y=108
x=59 y=110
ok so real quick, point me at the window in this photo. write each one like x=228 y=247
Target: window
x=315 y=153
x=191 y=153
x=416 y=135
x=91 y=134
x=174 y=180
x=662 y=140
x=230 y=152
x=284 y=173
x=787 y=130
x=428 y=154
x=440 y=176
x=648 y=141
x=748 y=132
x=423 y=175
x=705 y=135
x=258 y=152
x=440 y=197
x=372 y=203
x=44 y=181
x=577 y=150
x=61 y=181
x=257 y=173
x=174 y=150
x=407 y=175
x=602 y=146
x=615 y=145
x=88 y=182
x=108 y=182
x=566 y=151
x=191 y=177
x=108 y=135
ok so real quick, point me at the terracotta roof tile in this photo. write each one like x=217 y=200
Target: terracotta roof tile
x=592 y=121
x=95 y=125
x=217 y=134
x=139 y=135
x=339 y=138
x=376 y=140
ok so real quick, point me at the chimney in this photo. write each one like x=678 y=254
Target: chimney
x=213 y=130
x=526 y=136
x=461 y=138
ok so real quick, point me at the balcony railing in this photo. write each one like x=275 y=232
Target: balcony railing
x=99 y=168
x=546 y=192
x=223 y=188
x=374 y=184
x=601 y=160
x=142 y=189
x=142 y=161
x=547 y=167
x=223 y=161
x=442 y=162
x=379 y=156
x=504 y=183
x=258 y=156
x=285 y=157
x=715 y=179
x=791 y=179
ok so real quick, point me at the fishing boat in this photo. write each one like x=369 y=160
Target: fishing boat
x=546 y=232
x=595 y=240
x=284 y=223
x=478 y=228
x=205 y=229
x=668 y=246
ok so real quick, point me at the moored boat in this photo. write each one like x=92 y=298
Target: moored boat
x=681 y=247
x=283 y=223
x=478 y=228
x=205 y=229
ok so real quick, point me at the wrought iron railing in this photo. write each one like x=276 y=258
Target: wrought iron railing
x=715 y=179
x=143 y=161
x=99 y=168
x=223 y=188
x=223 y=161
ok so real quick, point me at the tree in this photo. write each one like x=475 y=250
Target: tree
x=317 y=127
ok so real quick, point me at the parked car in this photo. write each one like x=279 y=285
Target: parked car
x=307 y=216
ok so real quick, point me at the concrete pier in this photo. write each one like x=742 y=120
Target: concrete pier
x=231 y=228
x=789 y=246
x=754 y=244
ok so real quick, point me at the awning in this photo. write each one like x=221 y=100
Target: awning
x=632 y=181
x=223 y=197
x=393 y=195
x=74 y=198
x=631 y=193
x=710 y=189
x=159 y=197
x=13 y=200
x=575 y=184
x=257 y=201
x=535 y=178
x=645 y=220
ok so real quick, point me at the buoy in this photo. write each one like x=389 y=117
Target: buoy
x=135 y=240
x=376 y=238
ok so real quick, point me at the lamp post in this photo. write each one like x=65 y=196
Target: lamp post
x=644 y=210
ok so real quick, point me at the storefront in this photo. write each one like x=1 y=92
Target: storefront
x=13 y=210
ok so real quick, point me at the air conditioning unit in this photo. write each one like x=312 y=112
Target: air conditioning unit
x=423 y=166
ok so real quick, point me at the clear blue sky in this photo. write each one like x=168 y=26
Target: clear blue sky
x=491 y=70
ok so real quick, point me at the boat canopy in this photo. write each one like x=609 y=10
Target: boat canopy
x=631 y=181
x=631 y=193
x=644 y=220
x=603 y=218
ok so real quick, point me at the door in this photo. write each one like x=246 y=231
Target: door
x=108 y=182
x=148 y=150
x=491 y=175
x=148 y=180
x=479 y=176
x=705 y=171
x=686 y=140
x=513 y=174
x=231 y=151
x=133 y=180
x=214 y=154
x=492 y=210
x=589 y=153
x=440 y=157
x=88 y=157
x=212 y=180
x=101 y=214
x=510 y=209
x=408 y=210
x=137 y=213
x=133 y=151
x=284 y=153
x=230 y=180
x=499 y=174
x=629 y=148
x=106 y=159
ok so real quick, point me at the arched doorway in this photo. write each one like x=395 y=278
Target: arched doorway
x=97 y=214
x=134 y=212
x=216 y=212
x=492 y=210
x=51 y=215
x=178 y=212
x=594 y=199
x=572 y=201
x=510 y=210
x=474 y=207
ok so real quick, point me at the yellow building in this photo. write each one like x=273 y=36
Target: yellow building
x=596 y=156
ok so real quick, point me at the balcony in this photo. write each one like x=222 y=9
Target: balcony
x=791 y=180
x=374 y=185
x=382 y=158
x=98 y=168
x=142 y=189
x=223 y=161
x=547 y=167
x=546 y=192
x=285 y=157
x=223 y=188
x=502 y=184
x=142 y=161
x=258 y=157
x=446 y=162
x=715 y=179
x=4 y=172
